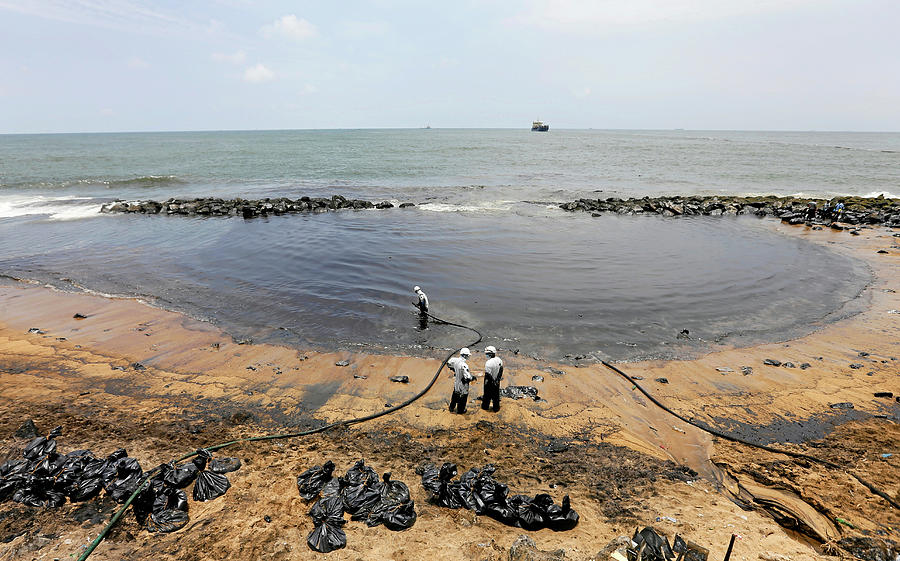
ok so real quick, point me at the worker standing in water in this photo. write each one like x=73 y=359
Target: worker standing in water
x=461 y=379
x=493 y=373
x=422 y=305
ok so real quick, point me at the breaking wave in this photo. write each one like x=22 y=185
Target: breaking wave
x=55 y=208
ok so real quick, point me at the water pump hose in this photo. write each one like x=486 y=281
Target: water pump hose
x=731 y=438
x=347 y=422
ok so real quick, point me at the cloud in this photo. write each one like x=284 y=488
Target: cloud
x=258 y=74
x=290 y=27
x=308 y=89
x=107 y=112
x=237 y=58
x=593 y=16
x=135 y=62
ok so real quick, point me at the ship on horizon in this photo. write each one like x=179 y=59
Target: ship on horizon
x=539 y=126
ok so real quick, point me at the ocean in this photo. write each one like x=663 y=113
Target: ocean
x=485 y=240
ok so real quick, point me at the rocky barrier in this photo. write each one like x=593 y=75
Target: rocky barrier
x=858 y=210
x=243 y=207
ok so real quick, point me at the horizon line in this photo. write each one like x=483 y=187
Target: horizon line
x=869 y=131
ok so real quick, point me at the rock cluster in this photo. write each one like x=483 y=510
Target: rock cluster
x=243 y=207
x=858 y=210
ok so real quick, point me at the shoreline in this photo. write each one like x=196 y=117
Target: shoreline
x=131 y=357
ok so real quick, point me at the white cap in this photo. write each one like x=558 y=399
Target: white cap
x=416 y=289
x=465 y=352
x=490 y=349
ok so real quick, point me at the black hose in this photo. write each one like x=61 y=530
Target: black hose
x=725 y=436
x=347 y=422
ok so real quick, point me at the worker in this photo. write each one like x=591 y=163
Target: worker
x=461 y=379
x=493 y=373
x=838 y=210
x=810 y=211
x=422 y=305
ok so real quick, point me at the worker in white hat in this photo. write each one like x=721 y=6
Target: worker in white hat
x=422 y=304
x=461 y=380
x=493 y=373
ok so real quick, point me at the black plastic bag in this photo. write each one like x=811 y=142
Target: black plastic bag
x=9 y=484
x=179 y=477
x=85 y=489
x=311 y=481
x=657 y=548
x=42 y=445
x=202 y=457
x=224 y=465
x=533 y=513
x=430 y=477
x=332 y=488
x=165 y=521
x=128 y=476
x=393 y=491
x=360 y=473
x=330 y=510
x=561 y=518
x=210 y=485
x=359 y=500
x=326 y=538
x=168 y=498
x=400 y=516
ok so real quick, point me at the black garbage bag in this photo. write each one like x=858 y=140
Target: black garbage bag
x=168 y=498
x=85 y=489
x=179 y=477
x=210 y=485
x=13 y=467
x=326 y=538
x=488 y=492
x=533 y=513
x=38 y=491
x=393 y=491
x=311 y=481
x=400 y=516
x=71 y=471
x=657 y=548
x=224 y=465
x=128 y=476
x=48 y=465
x=42 y=445
x=202 y=457
x=430 y=477
x=332 y=488
x=359 y=500
x=465 y=488
x=9 y=484
x=330 y=510
x=562 y=518
x=360 y=473
x=393 y=495
x=168 y=520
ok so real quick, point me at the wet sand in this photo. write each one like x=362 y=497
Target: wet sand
x=161 y=384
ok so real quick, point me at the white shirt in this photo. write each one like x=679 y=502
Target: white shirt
x=423 y=298
x=494 y=369
x=463 y=376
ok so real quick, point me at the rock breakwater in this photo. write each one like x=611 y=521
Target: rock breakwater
x=858 y=210
x=243 y=207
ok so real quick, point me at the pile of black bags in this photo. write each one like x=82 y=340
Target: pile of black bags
x=649 y=545
x=45 y=478
x=477 y=490
x=361 y=494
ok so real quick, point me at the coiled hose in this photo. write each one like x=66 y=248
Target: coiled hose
x=347 y=422
x=725 y=436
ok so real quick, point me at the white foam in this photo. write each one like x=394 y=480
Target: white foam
x=55 y=208
x=887 y=195
x=484 y=207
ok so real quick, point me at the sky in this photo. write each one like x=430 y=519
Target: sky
x=131 y=65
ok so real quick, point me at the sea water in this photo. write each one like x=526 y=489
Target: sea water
x=486 y=240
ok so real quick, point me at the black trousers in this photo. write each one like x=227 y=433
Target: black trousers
x=491 y=393
x=459 y=401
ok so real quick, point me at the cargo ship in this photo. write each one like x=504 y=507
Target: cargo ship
x=539 y=126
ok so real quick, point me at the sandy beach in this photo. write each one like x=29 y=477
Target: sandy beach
x=161 y=384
